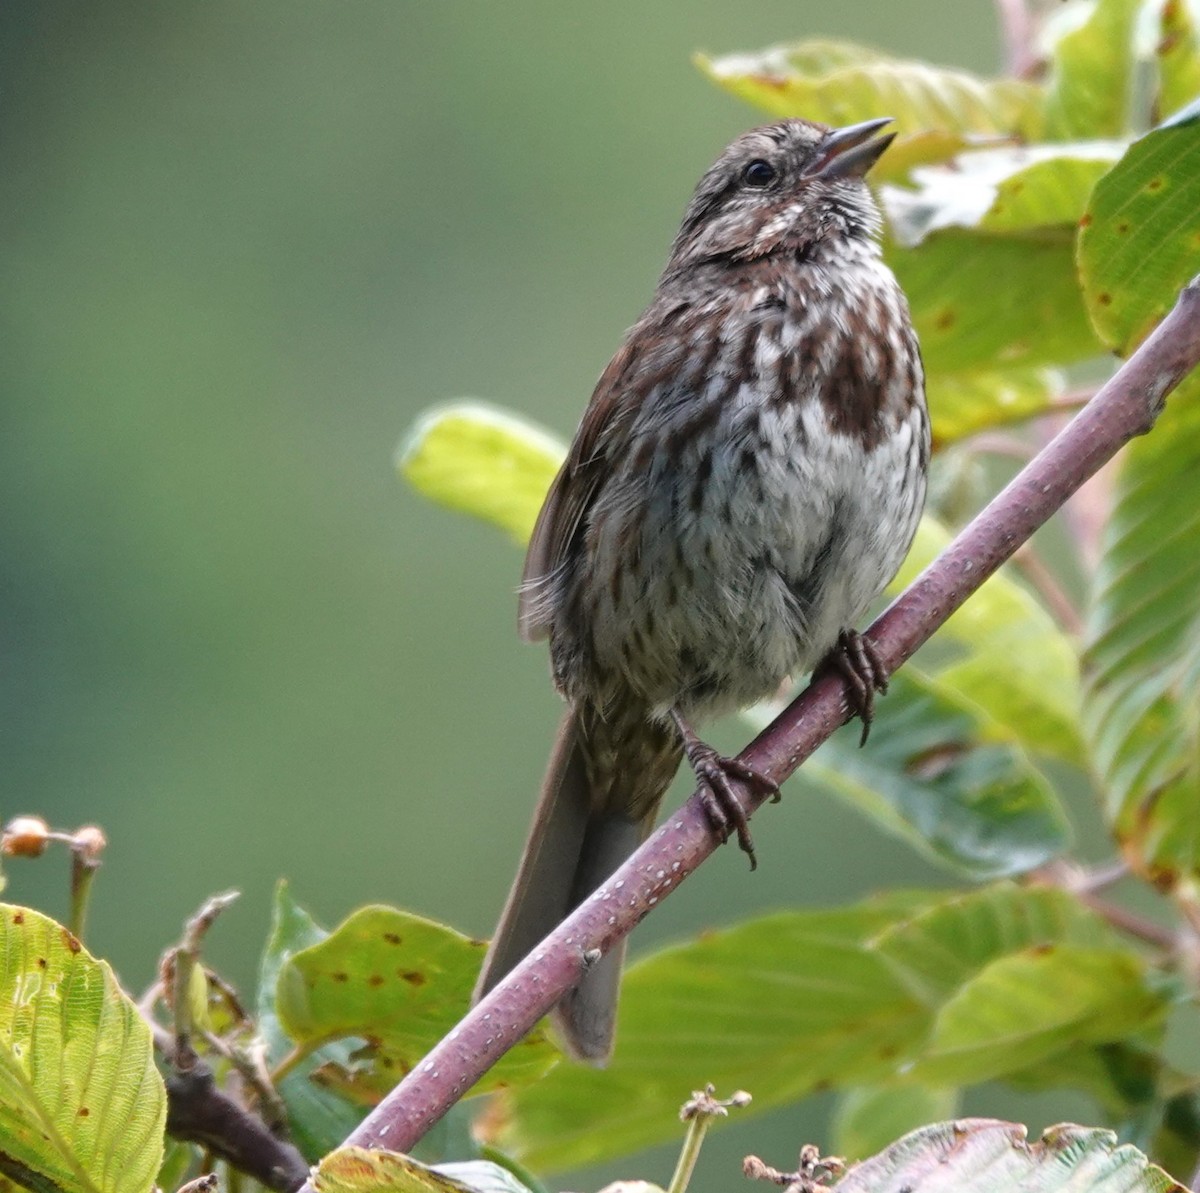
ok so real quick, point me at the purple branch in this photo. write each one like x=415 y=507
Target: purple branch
x=1127 y=406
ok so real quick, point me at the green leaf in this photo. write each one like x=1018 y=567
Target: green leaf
x=82 y=1107
x=398 y=983
x=987 y=1156
x=319 y=1119
x=797 y=999
x=1029 y=1005
x=482 y=461
x=983 y=249
x=979 y=807
x=1178 y=54
x=870 y=1117
x=1142 y=663
x=1010 y=659
x=944 y=946
x=937 y=110
x=962 y=404
x=1006 y=191
x=1176 y=1140
x=1140 y=239
x=1126 y=1078
x=984 y=302
x=360 y=1170
x=1091 y=75
x=178 y=1161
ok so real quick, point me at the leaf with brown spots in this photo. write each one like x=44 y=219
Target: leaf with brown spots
x=988 y=1156
x=1178 y=56
x=1141 y=242
x=984 y=302
x=359 y=1170
x=399 y=981
x=82 y=1107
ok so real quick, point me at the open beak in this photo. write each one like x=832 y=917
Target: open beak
x=850 y=152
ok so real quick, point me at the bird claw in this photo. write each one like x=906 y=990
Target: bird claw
x=857 y=661
x=724 y=810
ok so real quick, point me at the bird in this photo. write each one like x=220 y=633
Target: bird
x=745 y=480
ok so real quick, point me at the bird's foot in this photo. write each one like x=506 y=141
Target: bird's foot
x=857 y=661
x=717 y=775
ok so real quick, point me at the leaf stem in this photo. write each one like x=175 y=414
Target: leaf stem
x=83 y=872
x=1031 y=565
x=299 y=1054
x=699 y=1113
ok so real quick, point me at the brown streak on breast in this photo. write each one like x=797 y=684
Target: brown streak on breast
x=853 y=397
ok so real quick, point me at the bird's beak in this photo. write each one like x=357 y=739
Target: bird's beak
x=850 y=152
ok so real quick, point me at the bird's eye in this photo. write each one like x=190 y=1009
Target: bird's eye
x=758 y=173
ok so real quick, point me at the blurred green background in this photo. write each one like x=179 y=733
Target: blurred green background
x=243 y=244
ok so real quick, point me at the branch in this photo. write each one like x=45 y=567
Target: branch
x=1126 y=406
x=200 y=1113
x=197 y=1111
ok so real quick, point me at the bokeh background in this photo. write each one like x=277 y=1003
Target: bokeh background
x=242 y=245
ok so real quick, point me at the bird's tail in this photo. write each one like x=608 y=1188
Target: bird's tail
x=582 y=831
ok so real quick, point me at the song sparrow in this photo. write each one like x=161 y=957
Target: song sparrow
x=746 y=479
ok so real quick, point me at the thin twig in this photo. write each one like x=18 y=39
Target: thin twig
x=1128 y=921
x=1073 y=399
x=250 y=1064
x=182 y=963
x=1086 y=886
x=1128 y=405
x=1018 y=30
x=996 y=443
x=1044 y=582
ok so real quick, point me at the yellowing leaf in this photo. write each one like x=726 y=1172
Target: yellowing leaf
x=364 y=1170
x=1091 y=83
x=937 y=110
x=82 y=1107
x=962 y=404
x=1178 y=54
x=986 y=1156
x=482 y=461
x=987 y=303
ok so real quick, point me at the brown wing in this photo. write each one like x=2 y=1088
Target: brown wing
x=571 y=494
